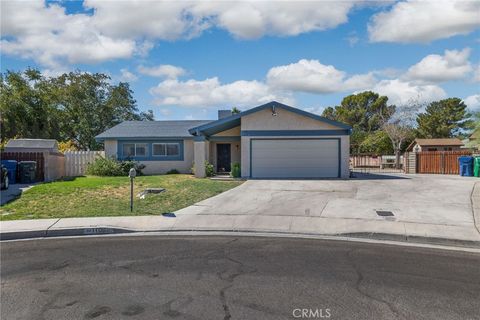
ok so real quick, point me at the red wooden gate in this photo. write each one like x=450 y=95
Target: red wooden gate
x=440 y=162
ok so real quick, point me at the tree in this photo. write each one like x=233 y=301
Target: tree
x=72 y=107
x=235 y=110
x=444 y=119
x=400 y=126
x=365 y=112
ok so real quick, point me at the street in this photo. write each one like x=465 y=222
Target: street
x=217 y=277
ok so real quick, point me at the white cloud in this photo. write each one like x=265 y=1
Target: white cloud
x=211 y=93
x=453 y=65
x=424 y=21
x=312 y=76
x=253 y=19
x=127 y=76
x=473 y=102
x=163 y=71
x=49 y=36
x=476 y=74
x=402 y=92
x=121 y=29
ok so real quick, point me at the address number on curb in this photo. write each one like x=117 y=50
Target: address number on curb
x=97 y=230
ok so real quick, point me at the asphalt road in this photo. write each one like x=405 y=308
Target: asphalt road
x=159 y=277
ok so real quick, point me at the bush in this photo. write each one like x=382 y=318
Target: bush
x=209 y=170
x=111 y=167
x=173 y=171
x=236 y=171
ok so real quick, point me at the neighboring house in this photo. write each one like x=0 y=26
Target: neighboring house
x=31 y=145
x=473 y=141
x=269 y=141
x=449 y=144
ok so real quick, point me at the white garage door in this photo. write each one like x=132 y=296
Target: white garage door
x=295 y=158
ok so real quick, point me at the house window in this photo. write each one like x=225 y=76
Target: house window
x=140 y=149
x=128 y=150
x=134 y=150
x=173 y=149
x=166 y=149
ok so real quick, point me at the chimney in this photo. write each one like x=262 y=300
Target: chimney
x=224 y=113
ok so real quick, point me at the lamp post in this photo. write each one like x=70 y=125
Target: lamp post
x=132 y=174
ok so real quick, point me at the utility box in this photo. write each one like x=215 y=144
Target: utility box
x=466 y=166
x=27 y=171
x=11 y=166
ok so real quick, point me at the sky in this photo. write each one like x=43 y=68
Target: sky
x=187 y=59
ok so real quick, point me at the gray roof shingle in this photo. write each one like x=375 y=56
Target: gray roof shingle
x=32 y=143
x=151 y=129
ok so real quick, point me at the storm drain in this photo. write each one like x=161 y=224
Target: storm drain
x=383 y=213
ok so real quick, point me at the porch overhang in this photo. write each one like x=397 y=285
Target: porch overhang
x=216 y=126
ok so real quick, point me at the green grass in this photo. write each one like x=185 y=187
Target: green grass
x=110 y=196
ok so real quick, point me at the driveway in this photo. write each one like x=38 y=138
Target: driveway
x=428 y=199
x=13 y=191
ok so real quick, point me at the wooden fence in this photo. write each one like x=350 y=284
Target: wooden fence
x=440 y=162
x=76 y=161
x=28 y=156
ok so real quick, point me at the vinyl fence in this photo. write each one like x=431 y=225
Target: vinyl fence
x=76 y=161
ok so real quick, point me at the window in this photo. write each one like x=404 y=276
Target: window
x=173 y=149
x=134 y=150
x=140 y=149
x=128 y=150
x=166 y=149
x=159 y=149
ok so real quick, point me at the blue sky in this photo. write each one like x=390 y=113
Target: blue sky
x=187 y=59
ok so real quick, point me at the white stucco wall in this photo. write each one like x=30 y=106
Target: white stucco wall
x=284 y=120
x=110 y=147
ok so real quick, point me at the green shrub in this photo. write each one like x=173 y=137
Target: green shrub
x=111 y=167
x=236 y=171
x=172 y=171
x=209 y=170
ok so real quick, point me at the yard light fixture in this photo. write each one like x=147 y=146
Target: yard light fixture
x=132 y=174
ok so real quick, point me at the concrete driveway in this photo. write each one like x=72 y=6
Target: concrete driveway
x=417 y=199
x=14 y=191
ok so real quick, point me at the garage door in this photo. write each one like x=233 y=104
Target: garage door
x=295 y=158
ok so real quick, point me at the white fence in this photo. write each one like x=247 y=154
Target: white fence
x=76 y=161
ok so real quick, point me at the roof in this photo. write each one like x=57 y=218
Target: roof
x=436 y=142
x=234 y=120
x=439 y=142
x=32 y=143
x=475 y=134
x=151 y=129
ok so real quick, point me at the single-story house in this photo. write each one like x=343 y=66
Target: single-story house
x=473 y=141
x=31 y=145
x=447 y=144
x=269 y=141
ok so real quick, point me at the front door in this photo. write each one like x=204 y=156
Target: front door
x=223 y=157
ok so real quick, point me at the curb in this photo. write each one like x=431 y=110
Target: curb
x=105 y=231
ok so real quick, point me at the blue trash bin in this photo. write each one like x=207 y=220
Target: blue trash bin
x=11 y=166
x=466 y=166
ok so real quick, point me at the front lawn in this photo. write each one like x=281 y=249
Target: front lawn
x=110 y=196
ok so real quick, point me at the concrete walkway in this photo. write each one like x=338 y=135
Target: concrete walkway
x=426 y=208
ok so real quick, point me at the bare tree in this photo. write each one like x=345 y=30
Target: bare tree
x=400 y=125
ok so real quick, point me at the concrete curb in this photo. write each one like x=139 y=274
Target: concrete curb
x=105 y=231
